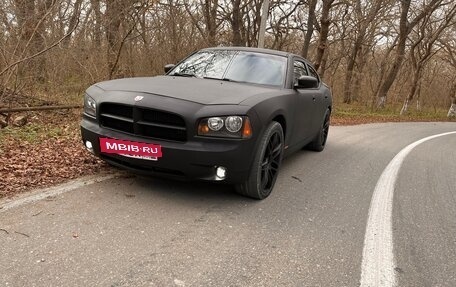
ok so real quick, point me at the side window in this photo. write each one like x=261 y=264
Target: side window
x=299 y=69
x=313 y=73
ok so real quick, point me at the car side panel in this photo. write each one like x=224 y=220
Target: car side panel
x=322 y=103
x=305 y=115
x=285 y=105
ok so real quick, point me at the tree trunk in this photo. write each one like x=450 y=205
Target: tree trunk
x=97 y=25
x=391 y=76
x=210 y=16
x=264 y=19
x=358 y=75
x=325 y=22
x=350 y=67
x=25 y=10
x=311 y=19
x=114 y=17
x=27 y=21
x=452 y=110
x=418 y=97
x=236 y=23
x=74 y=19
x=362 y=24
x=414 y=88
x=253 y=33
x=31 y=16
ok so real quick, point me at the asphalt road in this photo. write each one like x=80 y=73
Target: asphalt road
x=132 y=231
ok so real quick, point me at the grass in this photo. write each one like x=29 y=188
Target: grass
x=345 y=111
x=31 y=133
x=42 y=126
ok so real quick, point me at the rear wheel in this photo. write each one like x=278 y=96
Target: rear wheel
x=318 y=144
x=266 y=164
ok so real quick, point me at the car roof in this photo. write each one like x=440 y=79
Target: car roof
x=257 y=50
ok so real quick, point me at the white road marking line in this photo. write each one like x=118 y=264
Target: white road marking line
x=377 y=267
x=53 y=191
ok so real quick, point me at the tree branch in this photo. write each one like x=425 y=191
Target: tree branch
x=40 y=52
x=42 y=108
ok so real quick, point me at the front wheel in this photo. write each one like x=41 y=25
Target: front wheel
x=319 y=142
x=266 y=164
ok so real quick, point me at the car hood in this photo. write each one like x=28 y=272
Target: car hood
x=203 y=91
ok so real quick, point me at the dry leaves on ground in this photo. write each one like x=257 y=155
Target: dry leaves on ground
x=46 y=151
x=31 y=165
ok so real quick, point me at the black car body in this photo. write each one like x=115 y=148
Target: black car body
x=223 y=114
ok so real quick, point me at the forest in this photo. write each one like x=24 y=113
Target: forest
x=376 y=54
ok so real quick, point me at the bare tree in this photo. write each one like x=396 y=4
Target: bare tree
x=236 y=23
x=311 y=25
x=244 y=18
x=365 y=14
x=74 y=20
x=423 y=48
x=282 y=23
x=115 y=14
x=31 y=15
x=206 y=18
x=406 y=23
x=97 y=22
x=325 y=22
x=449 y=45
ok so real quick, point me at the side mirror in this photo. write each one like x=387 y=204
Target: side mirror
x=169 y=67
x=307 y=82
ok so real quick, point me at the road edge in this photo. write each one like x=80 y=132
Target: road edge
x=42 y=193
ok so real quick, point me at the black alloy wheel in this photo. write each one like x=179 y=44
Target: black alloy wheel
x=271 y=161
x=319 y=143
x=266 y=164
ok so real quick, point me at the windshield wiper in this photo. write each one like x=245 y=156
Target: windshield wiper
x=183 y=75
x=221 y=79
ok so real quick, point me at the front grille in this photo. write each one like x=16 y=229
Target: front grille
x=143 y=122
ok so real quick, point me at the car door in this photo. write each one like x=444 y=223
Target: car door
x=319 y=102
x=303 y=125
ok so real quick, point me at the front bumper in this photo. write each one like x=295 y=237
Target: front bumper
x=197 y=158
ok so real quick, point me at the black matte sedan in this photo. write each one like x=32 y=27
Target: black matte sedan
x=222 y=114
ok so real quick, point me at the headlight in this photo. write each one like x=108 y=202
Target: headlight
x=233 y=123
x=228 y=126
x=90 y=106
x=215 y=124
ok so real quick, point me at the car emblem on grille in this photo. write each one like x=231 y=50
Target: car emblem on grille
x=138 y=98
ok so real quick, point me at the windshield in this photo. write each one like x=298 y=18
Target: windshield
x=236 y=66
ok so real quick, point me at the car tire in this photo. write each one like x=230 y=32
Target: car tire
x=266 y=164
x=319 y=142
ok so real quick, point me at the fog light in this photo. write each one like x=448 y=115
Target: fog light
x=220 y=173
x=89 y=146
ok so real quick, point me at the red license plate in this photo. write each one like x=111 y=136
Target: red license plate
x=131 y=148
